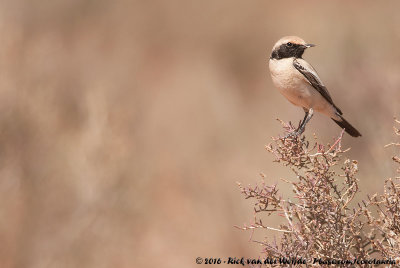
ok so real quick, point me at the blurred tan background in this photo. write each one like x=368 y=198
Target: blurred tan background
x=125 y=125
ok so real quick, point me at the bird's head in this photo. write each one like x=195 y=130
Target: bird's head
x=289 y=46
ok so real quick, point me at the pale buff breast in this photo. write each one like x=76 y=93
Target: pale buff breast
x=295 y=87
x=290 y=82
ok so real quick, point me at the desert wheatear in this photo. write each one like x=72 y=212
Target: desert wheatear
x=297 y=80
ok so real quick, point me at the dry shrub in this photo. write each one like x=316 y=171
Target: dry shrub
x=320 y=221
x=388 y=207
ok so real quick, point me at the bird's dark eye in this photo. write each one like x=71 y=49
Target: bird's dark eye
x=289 y=44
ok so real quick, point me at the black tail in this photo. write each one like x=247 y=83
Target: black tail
x=347 y=127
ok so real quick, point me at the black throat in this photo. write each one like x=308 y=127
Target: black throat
x=283 y=51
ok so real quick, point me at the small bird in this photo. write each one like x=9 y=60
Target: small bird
x=297 y=80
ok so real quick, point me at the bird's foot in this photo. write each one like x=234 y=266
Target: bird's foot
x=295 y=133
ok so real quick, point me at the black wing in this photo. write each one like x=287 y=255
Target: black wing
x=314 y=80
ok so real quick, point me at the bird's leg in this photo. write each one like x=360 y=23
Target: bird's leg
x=307 y=117
x=300 y=129
x=304 y=119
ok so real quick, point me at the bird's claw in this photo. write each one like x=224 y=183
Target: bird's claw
x=292 y=134
x=295 y=133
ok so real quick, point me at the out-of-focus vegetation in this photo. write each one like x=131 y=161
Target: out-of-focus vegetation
x=124 y=125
